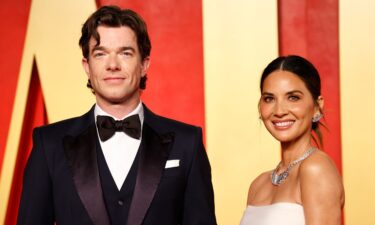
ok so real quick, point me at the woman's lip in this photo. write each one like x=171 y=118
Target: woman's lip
x=283 y=124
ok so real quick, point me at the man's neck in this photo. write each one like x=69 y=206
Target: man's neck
x=118 y=110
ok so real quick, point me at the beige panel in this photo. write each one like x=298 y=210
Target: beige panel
x=240 y=38
x=357 y=69
x=52 y=38
x=55 y=28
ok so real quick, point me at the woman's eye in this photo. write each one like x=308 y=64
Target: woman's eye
x=294 y=98
x=267 y=98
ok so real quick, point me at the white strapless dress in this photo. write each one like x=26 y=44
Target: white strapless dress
x=282 y=213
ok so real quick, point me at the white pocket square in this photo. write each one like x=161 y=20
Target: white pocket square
x=172 y=163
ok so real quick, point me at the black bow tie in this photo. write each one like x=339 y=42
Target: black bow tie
x=107 y=126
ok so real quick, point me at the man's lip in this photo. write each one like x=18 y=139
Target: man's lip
x=114 y=78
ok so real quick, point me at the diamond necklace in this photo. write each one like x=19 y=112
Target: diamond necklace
x=278 y=179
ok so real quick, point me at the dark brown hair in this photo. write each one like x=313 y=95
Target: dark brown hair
x=113 y=16
x=307 y=73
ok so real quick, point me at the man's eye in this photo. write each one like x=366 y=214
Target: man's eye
x=98 y=54
x=127 y=53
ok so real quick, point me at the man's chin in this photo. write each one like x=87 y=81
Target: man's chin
x=118 y=97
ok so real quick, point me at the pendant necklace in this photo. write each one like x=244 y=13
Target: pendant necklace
x=278 y=179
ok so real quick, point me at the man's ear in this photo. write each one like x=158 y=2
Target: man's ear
x=145 y=66
x=85 y=65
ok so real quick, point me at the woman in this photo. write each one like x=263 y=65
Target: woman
x=305 y=187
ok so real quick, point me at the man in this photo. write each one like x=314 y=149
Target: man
x=103 y=169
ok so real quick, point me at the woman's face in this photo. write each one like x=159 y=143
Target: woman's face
x=287 y=107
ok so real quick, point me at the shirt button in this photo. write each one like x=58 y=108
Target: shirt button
x=120 y=202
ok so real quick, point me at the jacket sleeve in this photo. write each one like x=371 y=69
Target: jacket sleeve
x=199 y=196
x=36 y=206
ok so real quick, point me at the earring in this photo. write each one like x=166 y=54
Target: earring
x=317 y=117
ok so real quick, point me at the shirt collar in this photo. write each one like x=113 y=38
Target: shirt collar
x=138 y=110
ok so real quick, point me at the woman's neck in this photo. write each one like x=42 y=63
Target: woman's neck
x=293 y=150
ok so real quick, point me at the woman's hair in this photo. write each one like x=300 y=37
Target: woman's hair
x=307 y=73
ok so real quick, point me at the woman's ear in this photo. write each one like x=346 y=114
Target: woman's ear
x=318 y=112
x=320 y=103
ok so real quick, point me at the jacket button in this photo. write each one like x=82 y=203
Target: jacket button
x=120 y=202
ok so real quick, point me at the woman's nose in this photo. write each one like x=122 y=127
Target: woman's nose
x=280 y=109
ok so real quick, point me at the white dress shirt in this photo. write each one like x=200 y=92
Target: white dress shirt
x=120 y=150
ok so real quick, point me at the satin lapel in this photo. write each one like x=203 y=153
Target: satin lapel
x=154 y=151
x=81 y=154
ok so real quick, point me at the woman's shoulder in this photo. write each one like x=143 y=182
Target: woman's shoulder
x=319 y=174
x=258 y=184
x=318 y=163
x=261 y=179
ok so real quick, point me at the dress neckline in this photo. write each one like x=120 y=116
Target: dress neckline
x=276 y=204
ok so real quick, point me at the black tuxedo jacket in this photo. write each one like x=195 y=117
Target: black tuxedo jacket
x=62 y=184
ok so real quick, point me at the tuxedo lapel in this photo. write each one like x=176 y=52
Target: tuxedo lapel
x=154 y=151
x=81 y=154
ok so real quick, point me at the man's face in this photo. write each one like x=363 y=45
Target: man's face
x=114 y=67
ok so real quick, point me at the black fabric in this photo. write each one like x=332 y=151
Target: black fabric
x=107 y=126
x=57 y=185
x=81 y=156
x=117 y=201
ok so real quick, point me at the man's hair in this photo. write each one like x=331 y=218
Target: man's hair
x=113 y=16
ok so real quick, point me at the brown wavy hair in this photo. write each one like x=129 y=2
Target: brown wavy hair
x=113 y=16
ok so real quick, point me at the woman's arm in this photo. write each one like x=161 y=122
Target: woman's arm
x=322 y=191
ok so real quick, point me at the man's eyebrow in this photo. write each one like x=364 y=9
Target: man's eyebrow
x=124 y=48
x=97 y=48
x=101 y=48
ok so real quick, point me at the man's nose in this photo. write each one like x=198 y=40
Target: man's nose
x=113 y=63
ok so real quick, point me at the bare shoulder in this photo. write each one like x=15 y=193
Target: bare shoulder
x=318 y=164
x=257 y=185
x=260 y=180
x=318 y=175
